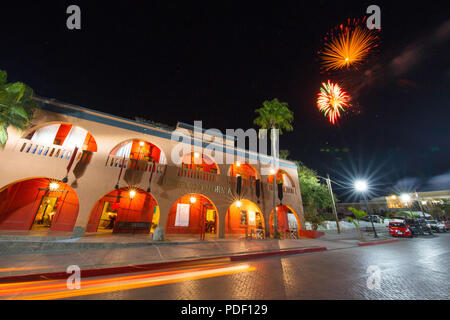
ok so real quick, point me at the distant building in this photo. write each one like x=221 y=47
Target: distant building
x=394 y=203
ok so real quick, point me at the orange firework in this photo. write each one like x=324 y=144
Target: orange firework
x=349 y=45
x=332 y=99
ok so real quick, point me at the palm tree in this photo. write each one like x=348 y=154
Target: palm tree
x=359 y=214
x=16 y=106
x=274 y=115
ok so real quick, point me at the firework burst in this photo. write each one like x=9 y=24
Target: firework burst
x=348 y=46
x=331 y=100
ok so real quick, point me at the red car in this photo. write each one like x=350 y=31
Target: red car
x=399 y=229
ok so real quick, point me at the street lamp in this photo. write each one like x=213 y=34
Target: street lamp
x=406 y=198
x=361 y=186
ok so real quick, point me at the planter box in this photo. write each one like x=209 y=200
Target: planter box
x=310 y=234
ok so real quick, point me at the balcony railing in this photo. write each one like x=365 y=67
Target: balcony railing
x=131 y=164
x=197 y=174
x=43 y=150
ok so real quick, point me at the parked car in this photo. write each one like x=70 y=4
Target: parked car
x=425 y=226
x=399 y=229
x=375 y=218
x=437 y=226
x=414 y=226
x=447 y=224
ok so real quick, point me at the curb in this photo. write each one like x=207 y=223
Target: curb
x=59 y=275
x=275 y=253
x=373 y=243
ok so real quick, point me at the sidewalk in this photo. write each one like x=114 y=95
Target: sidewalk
x=142 y=251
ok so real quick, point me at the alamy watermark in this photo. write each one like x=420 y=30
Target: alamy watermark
x=226 y=148
x=74 y=280
x=374 y=279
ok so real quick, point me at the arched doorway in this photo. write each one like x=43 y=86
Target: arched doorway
x=38 y=204
x=193 y=214
x=288 y=221
x=282 y=177
x=244 y=217
x=138 y=150
x=124 y=210
x=199 y=162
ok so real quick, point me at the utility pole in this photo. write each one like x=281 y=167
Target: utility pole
x=333 y=203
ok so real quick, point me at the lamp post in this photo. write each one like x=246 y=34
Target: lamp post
x=333 y=203
x=361 y=186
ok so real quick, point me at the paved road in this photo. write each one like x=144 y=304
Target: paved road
x=409 y=269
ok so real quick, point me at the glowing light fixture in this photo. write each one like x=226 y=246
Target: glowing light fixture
x=238 y=164
x=361 y=185
x=238 y=204
x=141 y=143
x=132 y=194
x=405 y=197
x=53 y=186
x=272 y=171
x=193 y=199
x=196 y=155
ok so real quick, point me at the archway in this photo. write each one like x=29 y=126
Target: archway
x=199 y=162
x=141 y=150
x=193 y=214
x=245 y=170
x=288 y=221
x=244 y=217
x=282 y=177
x=43 y=204
x=65 y=135
x=124 y=210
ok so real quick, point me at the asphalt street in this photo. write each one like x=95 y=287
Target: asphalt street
x=408 y=269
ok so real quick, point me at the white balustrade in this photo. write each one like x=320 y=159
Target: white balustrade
x=43 y=150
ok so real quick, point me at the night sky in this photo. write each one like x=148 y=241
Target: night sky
x=217 y=61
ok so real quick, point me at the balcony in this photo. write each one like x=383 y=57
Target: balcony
x=43 y=150
x=197 y=174
x=136 y=165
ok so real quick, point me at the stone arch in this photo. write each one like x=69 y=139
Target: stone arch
x=282 y=177
x=247 y=171
x=200 y=162
x=284 y=224
x=242 y=216
x=193 y=214
x=62 y=134
x=38 y=203
x=124 y=210
x=139 y=149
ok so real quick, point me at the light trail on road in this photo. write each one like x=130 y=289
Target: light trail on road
x=57 y=289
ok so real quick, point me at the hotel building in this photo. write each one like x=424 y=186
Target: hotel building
x=78 y=172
